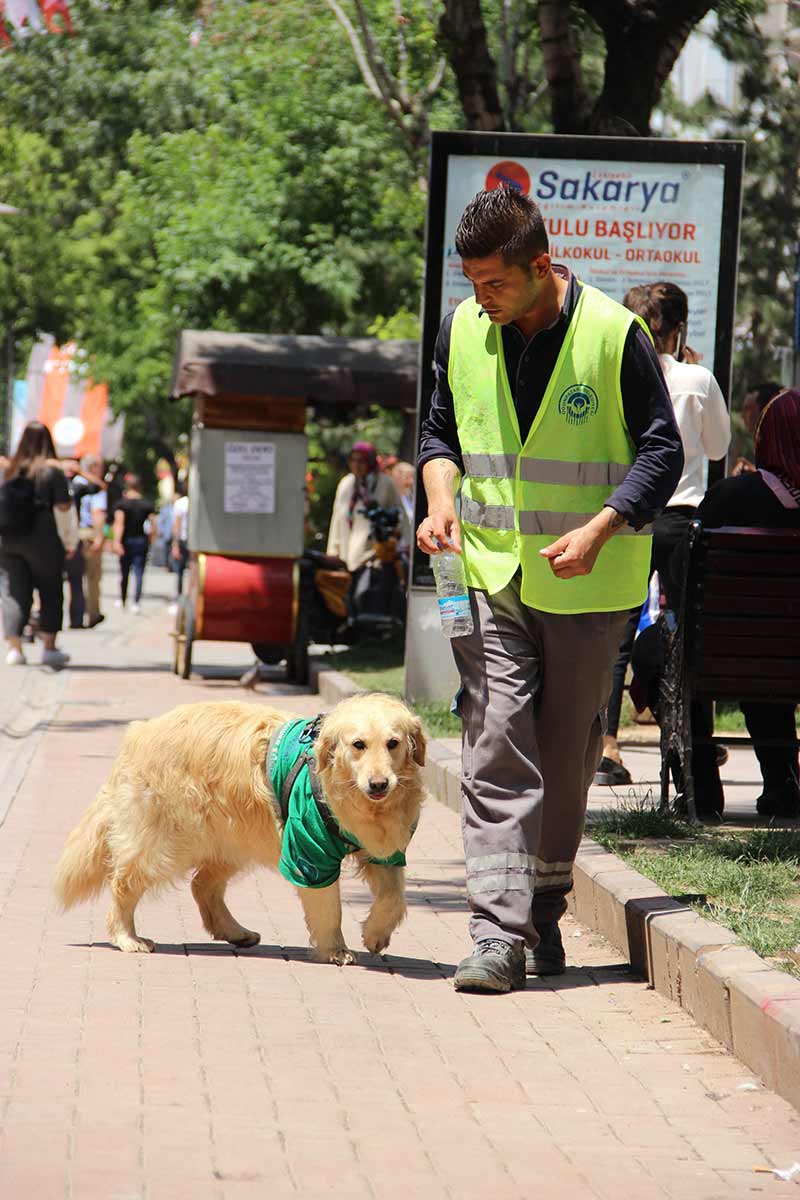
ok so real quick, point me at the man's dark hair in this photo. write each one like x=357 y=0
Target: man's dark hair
x=504 y=221
x=764 y=392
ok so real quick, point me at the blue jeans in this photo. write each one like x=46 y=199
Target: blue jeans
x=133 y=559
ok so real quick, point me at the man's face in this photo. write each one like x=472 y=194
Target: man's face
x=505 y=292
x=358 y=463
x=750 y=412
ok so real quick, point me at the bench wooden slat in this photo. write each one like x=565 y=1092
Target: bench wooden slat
x=743 y=587
x=720 y=562
x=752 y=645
x=769 y=668
x=757 y=606
x=733 y=687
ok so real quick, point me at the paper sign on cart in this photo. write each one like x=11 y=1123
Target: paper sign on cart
x=249 y=477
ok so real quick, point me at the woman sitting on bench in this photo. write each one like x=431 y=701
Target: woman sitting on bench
x=767 y=497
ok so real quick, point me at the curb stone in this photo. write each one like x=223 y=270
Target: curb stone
x=751 y=1008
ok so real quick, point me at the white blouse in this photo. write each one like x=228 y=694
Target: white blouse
x=703 y=420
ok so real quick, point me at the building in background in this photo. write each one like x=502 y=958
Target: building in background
x=58 y=392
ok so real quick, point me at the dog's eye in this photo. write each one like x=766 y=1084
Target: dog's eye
x=359 y=745
x=392 y=744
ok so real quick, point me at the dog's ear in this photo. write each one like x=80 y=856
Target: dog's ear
x=326 y=744
x=417 y=742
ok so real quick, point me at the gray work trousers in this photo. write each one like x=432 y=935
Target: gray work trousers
x=535 y=686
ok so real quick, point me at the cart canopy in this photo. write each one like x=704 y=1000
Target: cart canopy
x=330 y=370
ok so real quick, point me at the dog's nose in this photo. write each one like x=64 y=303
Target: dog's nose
x=377 y=786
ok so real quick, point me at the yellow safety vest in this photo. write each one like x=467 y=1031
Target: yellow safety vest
x=515 y=498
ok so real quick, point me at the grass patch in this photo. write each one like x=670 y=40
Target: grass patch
x=378 y=666
x=750 y=881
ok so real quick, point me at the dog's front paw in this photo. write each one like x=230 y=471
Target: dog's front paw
x=340 y=956
x=134 y=945
x=375 y=938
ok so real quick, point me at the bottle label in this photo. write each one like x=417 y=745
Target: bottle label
x=454 y=608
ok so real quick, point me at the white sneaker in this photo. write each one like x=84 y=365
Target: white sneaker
x=15 y=658
x=55 y=658
x=173 y=608
x=118 y=604
x=135 y=608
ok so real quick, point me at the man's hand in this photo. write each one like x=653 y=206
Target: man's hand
x=440 y=529
x=576 y=553
x=442 y=525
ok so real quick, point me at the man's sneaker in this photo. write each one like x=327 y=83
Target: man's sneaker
x=493 y=966
x=612 y=774
x=548 y=958
x=15 y=658
x=54 y=658
x=135 y=608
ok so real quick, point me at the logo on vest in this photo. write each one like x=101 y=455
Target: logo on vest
x=578 y=403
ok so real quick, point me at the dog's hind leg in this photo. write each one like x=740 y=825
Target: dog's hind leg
x=127 y=888
x=323 y=912
x=208 y=889
x=387 y=885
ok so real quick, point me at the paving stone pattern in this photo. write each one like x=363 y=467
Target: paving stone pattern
x=201 y=1072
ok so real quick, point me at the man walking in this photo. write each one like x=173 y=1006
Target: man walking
x=91 y=519
x=552 y=416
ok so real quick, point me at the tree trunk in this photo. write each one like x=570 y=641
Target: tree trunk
x=463 y=34
x=643 y=40
x=570 y=104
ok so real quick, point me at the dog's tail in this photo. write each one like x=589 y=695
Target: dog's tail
x=84 y=865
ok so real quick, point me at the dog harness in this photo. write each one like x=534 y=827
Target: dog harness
x=313 y=844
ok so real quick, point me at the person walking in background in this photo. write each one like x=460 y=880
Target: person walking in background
x=179 y=548
x=705 y=428
x=131 y=534
x=38 y=528
x=92 y=516
x=82 y=482
x=550 y=403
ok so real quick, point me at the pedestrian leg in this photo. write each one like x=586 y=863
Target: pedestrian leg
x=75 y=569
x=578 y=652
x=501 y=672
x=124 y=571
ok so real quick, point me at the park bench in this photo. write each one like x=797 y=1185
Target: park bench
x=737 y=636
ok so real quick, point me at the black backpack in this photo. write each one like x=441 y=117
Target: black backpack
x=17 y=505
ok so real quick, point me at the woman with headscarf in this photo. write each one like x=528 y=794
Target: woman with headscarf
x=40 y=527
x=767 y=497
x=350 y=534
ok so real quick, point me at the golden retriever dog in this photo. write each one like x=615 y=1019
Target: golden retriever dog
x=189 y=792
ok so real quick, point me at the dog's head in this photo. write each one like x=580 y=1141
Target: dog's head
x=374 y=741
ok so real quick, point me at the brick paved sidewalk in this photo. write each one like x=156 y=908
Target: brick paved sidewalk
x=200 y=1072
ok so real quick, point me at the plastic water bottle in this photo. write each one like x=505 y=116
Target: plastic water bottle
x=451 y=590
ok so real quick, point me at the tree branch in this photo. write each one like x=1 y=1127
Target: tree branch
x=570 y=104
x=358 y=51
x=463 y=33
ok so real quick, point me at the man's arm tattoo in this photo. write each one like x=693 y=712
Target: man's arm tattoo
x=617 y=521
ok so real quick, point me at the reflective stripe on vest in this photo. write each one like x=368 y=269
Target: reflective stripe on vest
x=517 y=499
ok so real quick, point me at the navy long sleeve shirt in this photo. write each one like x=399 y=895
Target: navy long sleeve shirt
x=646 y=404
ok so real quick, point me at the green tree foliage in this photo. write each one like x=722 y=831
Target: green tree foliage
x=768 y=118
x=242 y=180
